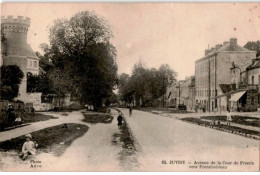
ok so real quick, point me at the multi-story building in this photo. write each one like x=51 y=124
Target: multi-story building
x=214 y=69
x=250 y=78
x=15 y=50
x=181 y=92
x=253 y=72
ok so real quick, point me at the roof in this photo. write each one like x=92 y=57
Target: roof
x=227 y=87
x=225 y=48
x=255 y=64
x=21 y=50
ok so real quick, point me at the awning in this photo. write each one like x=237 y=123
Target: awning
x=237 y=96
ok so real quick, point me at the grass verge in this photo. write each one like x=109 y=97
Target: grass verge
x=127 y=155
x=163 y=110
x=243 y=120
x=233 y=129
x=53 y=139
x=94 y=118
x=28 y=118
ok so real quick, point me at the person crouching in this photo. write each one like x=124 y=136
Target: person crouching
x=29 y=147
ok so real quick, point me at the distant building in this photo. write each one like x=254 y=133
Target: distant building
x=251 y=77
x=181 y=92
x=253 y=72
x=214 y=69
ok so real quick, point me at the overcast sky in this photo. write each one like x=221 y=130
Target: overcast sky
x=156 y=33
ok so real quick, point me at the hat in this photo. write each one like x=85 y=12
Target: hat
x=28 y=135
x=10 y=105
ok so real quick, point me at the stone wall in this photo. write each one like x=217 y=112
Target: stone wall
x=251 y=100
x=35 y=99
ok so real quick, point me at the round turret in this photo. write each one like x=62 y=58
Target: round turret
x=15 y=50
x=15 y=32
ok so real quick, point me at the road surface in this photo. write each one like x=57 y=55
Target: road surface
x=167 y=140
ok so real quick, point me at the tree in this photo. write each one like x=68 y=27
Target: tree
x=11 y=77
x=86 y=60
x=145 y=85
x=253 y=45
x=40 y=83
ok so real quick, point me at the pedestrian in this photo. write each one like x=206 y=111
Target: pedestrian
x=229 y=119
x=119 y=120
x=130 y=110
x=204 y=108
x=10 y=114
x=29 y=147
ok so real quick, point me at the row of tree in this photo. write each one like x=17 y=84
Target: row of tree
x=145 y=86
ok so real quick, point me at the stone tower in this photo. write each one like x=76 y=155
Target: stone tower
x=15 y=50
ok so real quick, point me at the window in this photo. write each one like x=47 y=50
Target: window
x=252 y=101
x=253 y=80
x=35 y=64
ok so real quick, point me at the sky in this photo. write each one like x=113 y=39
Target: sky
x=155 y=33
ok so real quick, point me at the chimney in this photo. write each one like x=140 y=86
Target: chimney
x=207 y=51
x=226 y=42
x=218 y=46
x=212 y=49
x=233 y=42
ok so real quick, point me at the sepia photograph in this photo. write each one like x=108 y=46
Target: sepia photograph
x=130 y=87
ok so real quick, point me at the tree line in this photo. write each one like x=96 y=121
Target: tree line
x=145 y=86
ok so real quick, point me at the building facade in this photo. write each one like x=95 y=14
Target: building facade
x=214 y=69
x=16 y=51
x=251 y=77
x=181 y=92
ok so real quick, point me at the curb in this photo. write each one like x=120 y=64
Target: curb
x=137 y=146
x=227 y=130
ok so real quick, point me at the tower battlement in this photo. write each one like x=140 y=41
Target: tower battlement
x=19 y=20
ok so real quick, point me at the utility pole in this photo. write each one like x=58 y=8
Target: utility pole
x=0 y=79
x=163 y=91
x=215 y=80
x=179 y=92
x=209 y=88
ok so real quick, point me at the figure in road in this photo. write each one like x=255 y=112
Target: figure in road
x=229 y=119
x=29 y=147
x=119 y=120
x=130 y=111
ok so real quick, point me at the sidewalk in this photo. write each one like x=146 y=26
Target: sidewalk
x=7 y=135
